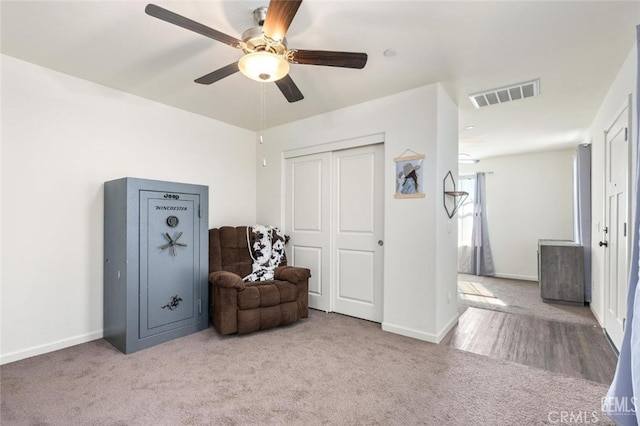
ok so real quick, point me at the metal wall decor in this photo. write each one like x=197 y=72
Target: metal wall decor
x=455 y=198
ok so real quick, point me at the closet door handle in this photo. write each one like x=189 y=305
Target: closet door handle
x=603 y=243
x=380 y=243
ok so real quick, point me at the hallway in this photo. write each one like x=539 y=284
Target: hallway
x=507 y=320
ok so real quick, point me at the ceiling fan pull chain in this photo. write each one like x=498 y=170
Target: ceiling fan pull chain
x=262 y=120
x=263 y=105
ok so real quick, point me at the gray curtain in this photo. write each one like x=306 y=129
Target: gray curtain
x=621 y=403
x=481 y=258
x=465 y=223
x=583 y=211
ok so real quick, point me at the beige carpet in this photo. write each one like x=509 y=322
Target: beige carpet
x=329 y=369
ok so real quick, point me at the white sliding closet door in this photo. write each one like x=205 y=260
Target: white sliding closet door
x=334 y=214
x=358 y=182
x=307 y=221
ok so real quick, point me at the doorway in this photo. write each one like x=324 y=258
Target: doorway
x=615 y=238
x=334 y=204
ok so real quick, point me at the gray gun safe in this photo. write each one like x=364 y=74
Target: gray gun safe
x=155 y=261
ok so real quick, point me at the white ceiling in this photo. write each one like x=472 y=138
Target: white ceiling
x=575 y=48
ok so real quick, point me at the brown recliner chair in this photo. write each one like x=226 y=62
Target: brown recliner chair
x=244 y=307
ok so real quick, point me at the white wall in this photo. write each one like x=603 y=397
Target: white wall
x=447 y=229
x=529 y=197
x=623 y=86
x=62 y=137
x=418 y=269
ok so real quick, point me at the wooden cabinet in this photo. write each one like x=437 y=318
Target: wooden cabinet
x=561 y=271
x=156 y=261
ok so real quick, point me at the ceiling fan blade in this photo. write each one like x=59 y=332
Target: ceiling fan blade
x=328 y=58
x=181 y=21
x=219 y=74
x=289 y=89
x=280 y=13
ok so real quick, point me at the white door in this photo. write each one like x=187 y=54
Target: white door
x=307 y=221
x=616 y=232
x=333 y=214
x=358 y=188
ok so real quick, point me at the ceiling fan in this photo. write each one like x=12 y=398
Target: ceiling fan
x=266 y=55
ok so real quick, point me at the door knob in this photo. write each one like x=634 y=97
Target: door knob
x=603 y=243
x=380 y=243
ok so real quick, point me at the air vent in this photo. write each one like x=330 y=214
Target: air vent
x=506 y=94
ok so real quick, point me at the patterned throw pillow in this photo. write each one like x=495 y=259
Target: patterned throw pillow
x=266 y=252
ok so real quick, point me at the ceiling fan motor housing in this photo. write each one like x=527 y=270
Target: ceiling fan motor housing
x=260 y=14
x=255 y=41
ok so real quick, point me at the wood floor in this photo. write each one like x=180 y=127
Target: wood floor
x=577 y=350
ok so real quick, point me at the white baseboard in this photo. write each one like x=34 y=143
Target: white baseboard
x=447 y=328
x=517 y=277
x=596 y=315
x=49 y=347
x=420 y=335
x=409 y=332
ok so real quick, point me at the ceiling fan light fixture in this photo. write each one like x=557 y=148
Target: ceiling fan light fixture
x=466 y=159
x=263 y=66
